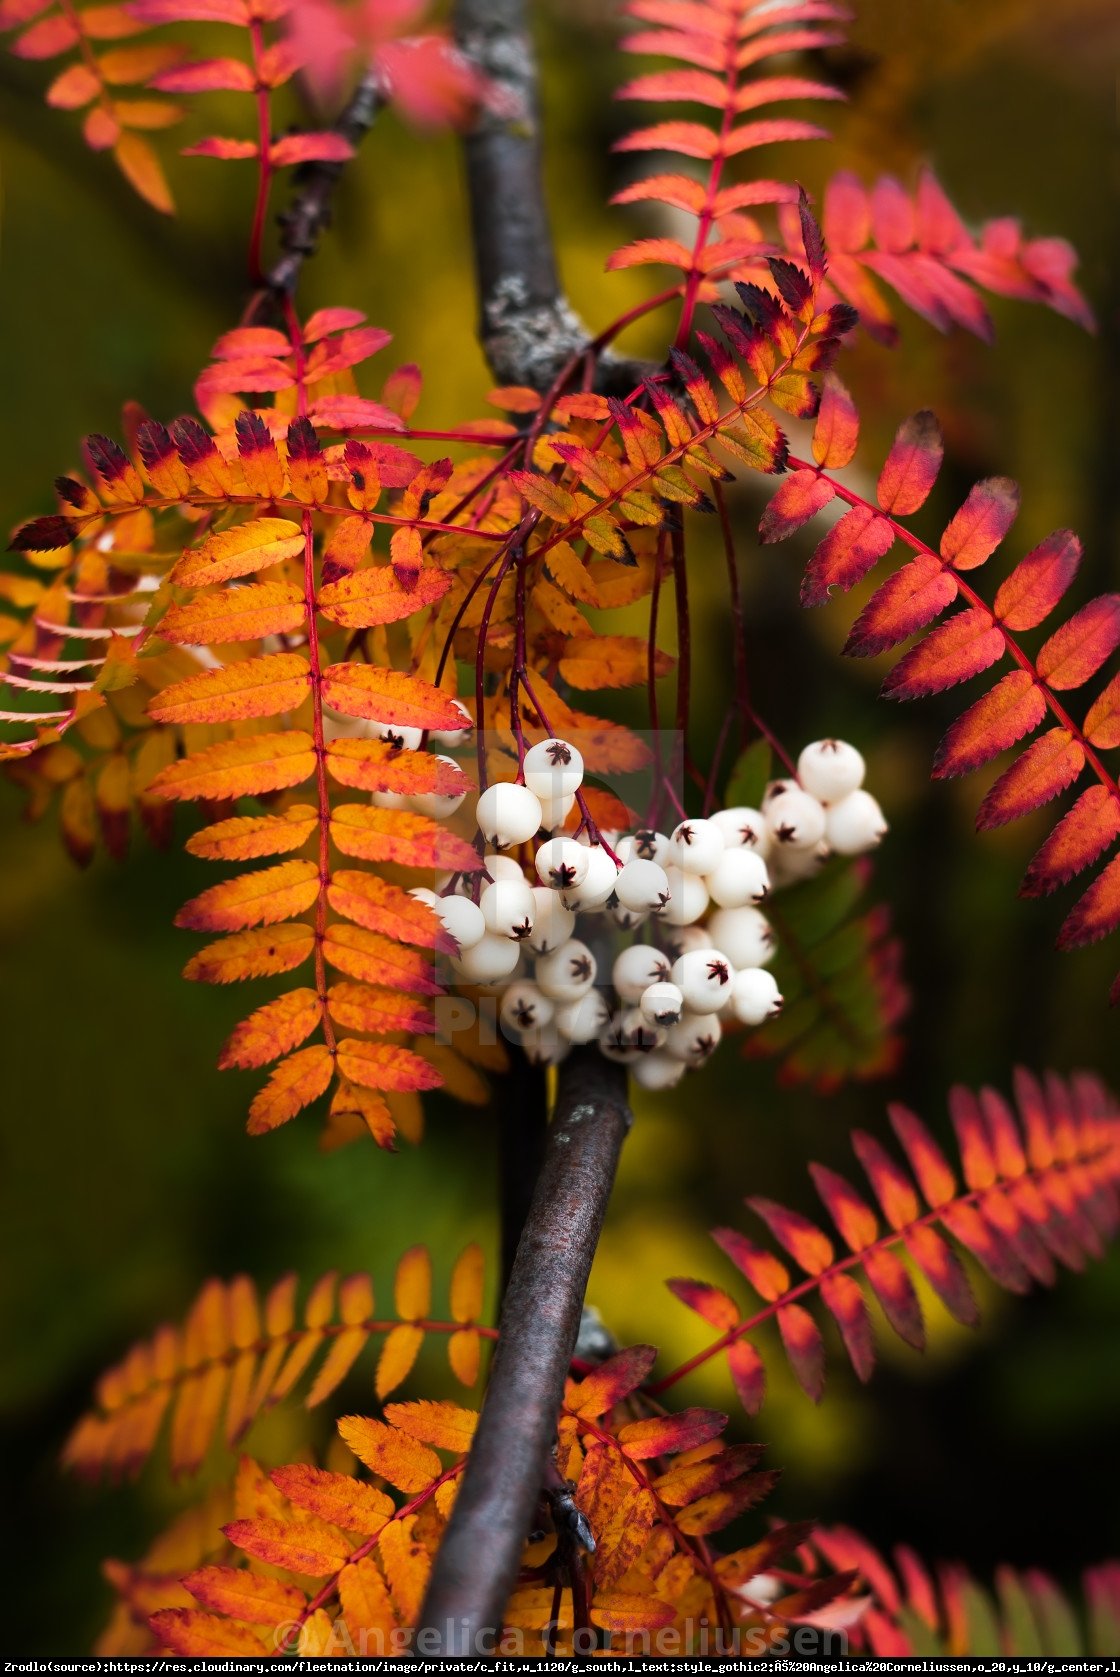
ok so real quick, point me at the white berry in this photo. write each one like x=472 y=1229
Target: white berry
x=507 y=908
x=597 y=884
x=694 y=1037
x=642 y=886
x=696 y=846
x=490 y=959
x=555 y=811
x=439 y=804
x=524 y=1007
x=679 y=939
x=794 y=818
x=645 y=845
x=400 y=739
x=561 y=863
x=582 y=1020
x=788 y=867
x=658 y=1070
x=455 y=737
x=855 y=824
x=501 y=867
x=553 y=769
x=744 y=935
x=389 y=800
x=755 y=996
x=462 y=919
x=636 y=968
x=543 y=1045
x=662 y=1004
x=626 y=918
x=704 y=978
x=508 y=814
x=743 y=828
x=688 y=897
x=568 y=972
x=740 y=876
x=553 y=924
x=636 y=1031
x=830 y=769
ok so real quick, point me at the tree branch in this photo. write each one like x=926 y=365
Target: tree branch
x=303 y=223
x=528 y=330
x=522 y=1108
x=476 y=1568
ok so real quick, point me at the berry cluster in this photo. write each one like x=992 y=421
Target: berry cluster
x=696 y=891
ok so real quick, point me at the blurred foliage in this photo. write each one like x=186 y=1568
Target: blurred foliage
x=128 y=1175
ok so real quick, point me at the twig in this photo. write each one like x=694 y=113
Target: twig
x=302 y=224
x=528 y=330
x=476 y=1567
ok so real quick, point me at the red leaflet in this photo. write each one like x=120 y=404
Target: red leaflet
x=944 y=1272
x=716 y=1306
x=612 y=1381
x=952 y=653
x=977 y=528
x=893 y=1188
x=225 y=149
x=806 y=1244
x=851 y=1213
x=890 y=1281
x=748 y=1375
x=927 y=1161
x=1095 y=914
x=1102 y=724
x=1079 y=648
x=1038 y=582
x=836 y=433
x=846 y=554
x=767 y=1274
x=910 y=469
x=1014 y=707
x=844 y=1298
x=805 y=1349
x=906 y=602
x=310 y=148
x=207 y=75
x=1046 y=768
x=798 y=498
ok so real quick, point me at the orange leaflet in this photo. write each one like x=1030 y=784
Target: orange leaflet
x=910 y=469
x=1014 y=707
x=836 y=432
x=199 y=1635
x=236 y=614
x=357 y=1007
x=1038 y=582
x=252 y=687
x=381 y=1065
x=306 y=1548
x=253 y=899
x=256 y=954
x=467 y=1283
x=244 y=837
x=392 y=1455
x=375 y=766
x=272 y=1030
x=382 y=907
x=245 y=1595
x=1079 y=648
x=957 y=650
x=906 y=602
x=412 y=1287
x=1102 y=722
x=245 y=549
x=444 y=1425
x=334 y=1497
x=374 y=596
x=377 y=960
x=295 y=1083
x=240 y=768
x=414 y=841
x=1046 y=768
x=798 y=498
x=609 y=661
x=977 y=528
x=391 y=696
x=1096 y=913
x=398 y=1357
x=351 y=1101
x=850 y=549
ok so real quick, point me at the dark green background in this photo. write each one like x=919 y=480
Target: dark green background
x=128 y=1177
